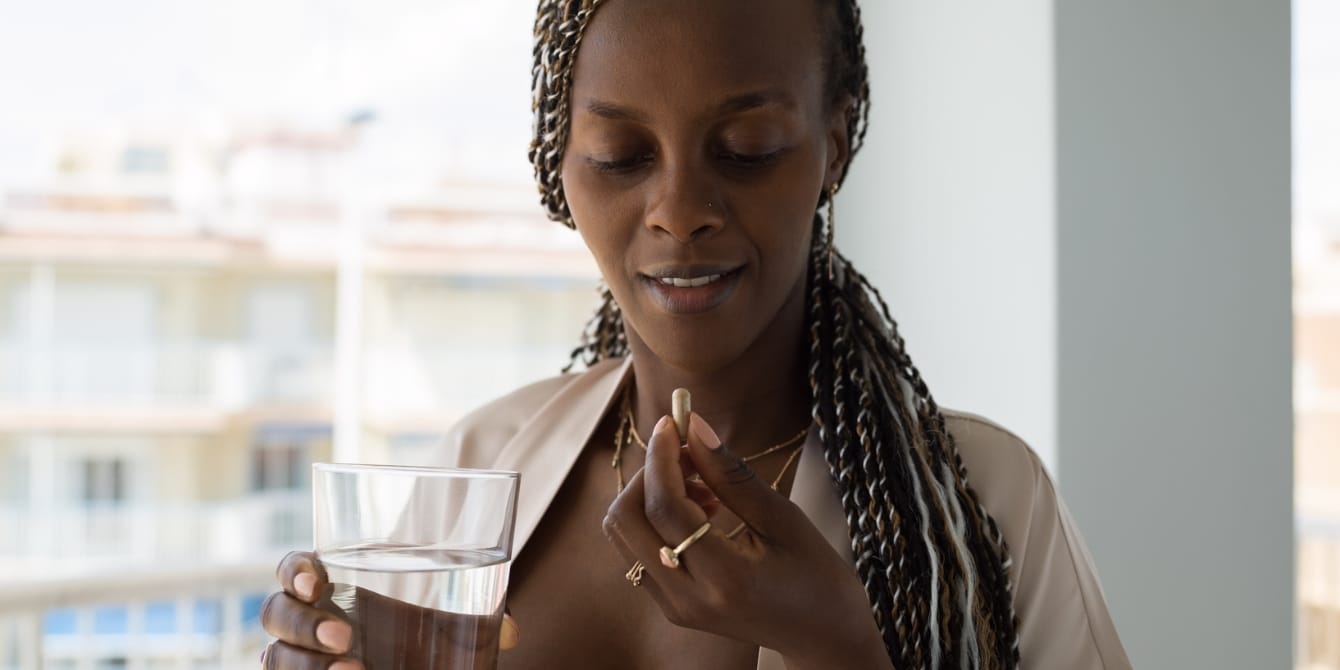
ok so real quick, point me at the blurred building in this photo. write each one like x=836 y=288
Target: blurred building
x=1317 y=443
x=1316 y=260
x=172 y=352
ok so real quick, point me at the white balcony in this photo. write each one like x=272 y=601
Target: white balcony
x=195 y=375
x=64 y=542
x=151 y=585
x=1318 y=608
x=154 y=585
x=170 y=619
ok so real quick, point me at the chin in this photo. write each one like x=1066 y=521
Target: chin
x=698 y=345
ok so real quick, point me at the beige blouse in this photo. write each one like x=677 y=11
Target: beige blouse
x=540 y=430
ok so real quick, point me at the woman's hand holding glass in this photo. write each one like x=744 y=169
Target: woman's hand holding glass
x=310 y=630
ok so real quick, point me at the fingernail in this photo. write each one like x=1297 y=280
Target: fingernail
x=345 y=665
x=510 y=636
x=334 y=635
x=665 y=423
x=704 y=432
x=304 y=583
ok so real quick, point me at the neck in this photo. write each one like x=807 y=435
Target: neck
x=759 y=399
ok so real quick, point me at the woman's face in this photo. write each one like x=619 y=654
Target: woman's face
x=701 y=138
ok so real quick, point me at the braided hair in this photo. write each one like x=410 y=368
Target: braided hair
x=934 y=564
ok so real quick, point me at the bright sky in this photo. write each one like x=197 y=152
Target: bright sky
x=448 y=79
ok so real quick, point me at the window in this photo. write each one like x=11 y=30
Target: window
x=105 y=337
x=60 y=622
x=206 y=616
x=281 y=456
x=144 y=160
x=102 y=480
x=15 y=485
x=278 y=467
x=286 y=357
x=111 y=621
x=160 y=618
x=251 y=611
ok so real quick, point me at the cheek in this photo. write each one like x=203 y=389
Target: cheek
x=601 y=217
x=780 y=220
x=596 y=197
x=786 y=257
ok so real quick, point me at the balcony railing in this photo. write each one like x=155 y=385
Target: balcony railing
x=49 y=543
x=228 y=376
x=191 y=374
x=196 y=618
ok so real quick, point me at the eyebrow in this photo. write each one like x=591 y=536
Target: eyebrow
x=732 y=105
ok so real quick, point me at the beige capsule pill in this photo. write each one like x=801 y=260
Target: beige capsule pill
x=680 y=406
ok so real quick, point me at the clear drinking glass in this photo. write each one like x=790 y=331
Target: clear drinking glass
x=417 y=559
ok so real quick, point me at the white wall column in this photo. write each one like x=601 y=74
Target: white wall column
x=351 y=272
x=1175 y=320
x=40 y=385
x=1079 y=212
x=950 y=207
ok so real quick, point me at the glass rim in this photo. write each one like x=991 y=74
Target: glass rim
x=420 y=470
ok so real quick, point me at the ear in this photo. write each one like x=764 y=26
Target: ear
x=839 y=139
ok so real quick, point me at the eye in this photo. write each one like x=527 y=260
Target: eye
x=619 y=165
x=750 y=160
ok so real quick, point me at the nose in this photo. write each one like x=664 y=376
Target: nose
x=685 y=205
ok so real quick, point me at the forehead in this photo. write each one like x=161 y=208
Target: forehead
x=682 y=54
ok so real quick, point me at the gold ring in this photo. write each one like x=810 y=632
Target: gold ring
x=670 y=557
x=634 y=573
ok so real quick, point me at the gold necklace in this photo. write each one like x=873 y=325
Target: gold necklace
x=791 y=442
x=627 y=431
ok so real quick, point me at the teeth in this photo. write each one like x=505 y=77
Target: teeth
x=689 y=282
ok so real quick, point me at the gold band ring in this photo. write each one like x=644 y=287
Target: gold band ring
x=670 y=557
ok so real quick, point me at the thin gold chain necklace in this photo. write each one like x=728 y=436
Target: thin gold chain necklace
x=790 y=442
x=627 y=432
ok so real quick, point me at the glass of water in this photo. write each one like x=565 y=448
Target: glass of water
x=417 y=559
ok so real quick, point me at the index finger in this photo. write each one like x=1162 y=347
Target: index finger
x=302 y=576
x=767 y=513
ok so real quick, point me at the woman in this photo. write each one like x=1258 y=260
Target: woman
x=692 y=144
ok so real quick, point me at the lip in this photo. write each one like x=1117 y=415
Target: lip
x=691 y=299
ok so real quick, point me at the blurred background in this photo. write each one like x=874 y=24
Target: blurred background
x=222 y=226
x=237 y=238
x=1316 y=304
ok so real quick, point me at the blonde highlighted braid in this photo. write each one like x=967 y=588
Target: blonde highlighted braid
x=933 y=562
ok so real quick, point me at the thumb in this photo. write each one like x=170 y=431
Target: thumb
x=511 y=633
x=735 y=483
